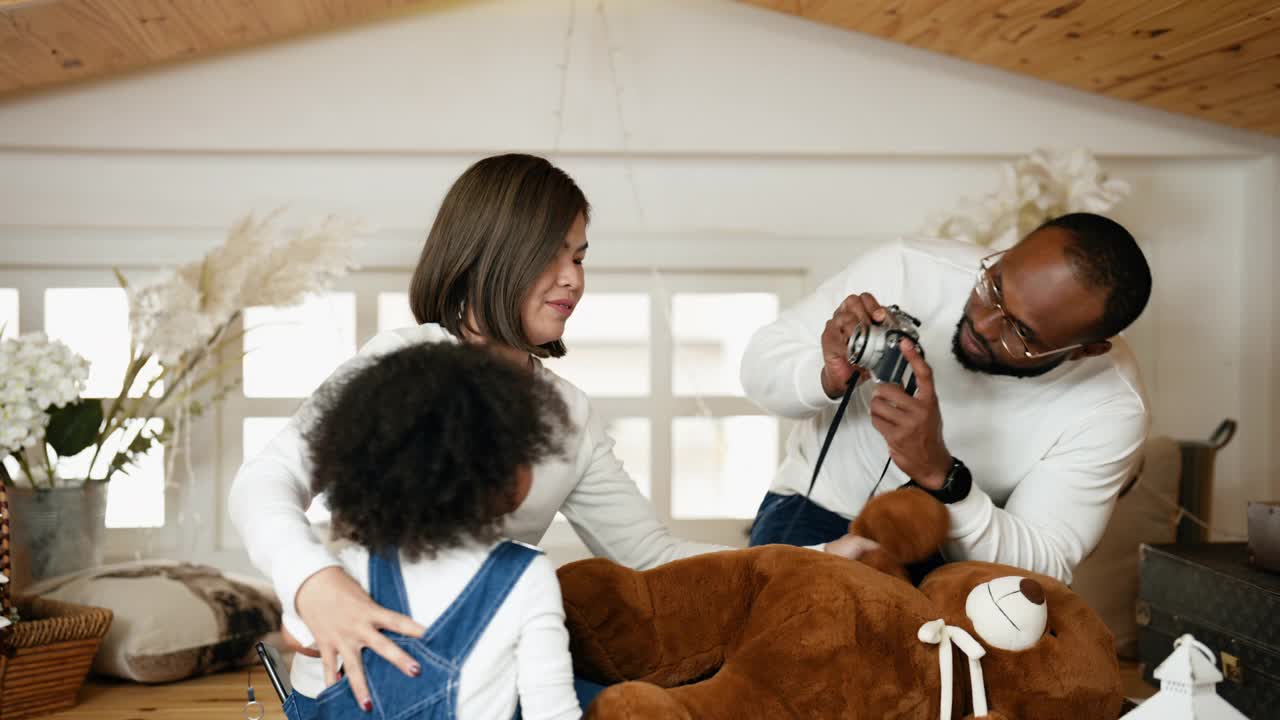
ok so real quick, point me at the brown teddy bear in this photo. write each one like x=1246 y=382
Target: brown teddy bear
x=785 y=632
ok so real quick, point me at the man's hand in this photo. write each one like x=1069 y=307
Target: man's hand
x=837 y=371
x=913 y=425
x=345 y=620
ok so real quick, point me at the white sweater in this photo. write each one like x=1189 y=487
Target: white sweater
x=524 y=650
x=1048 y=454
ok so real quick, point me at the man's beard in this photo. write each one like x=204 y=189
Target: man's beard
x=992 y=366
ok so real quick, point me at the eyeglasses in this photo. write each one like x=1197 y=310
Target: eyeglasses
x=1014 y=342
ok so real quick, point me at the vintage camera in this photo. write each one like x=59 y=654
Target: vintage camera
x=875 y=347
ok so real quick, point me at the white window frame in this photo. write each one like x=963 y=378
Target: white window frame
x=661 y=406
x=701 y=263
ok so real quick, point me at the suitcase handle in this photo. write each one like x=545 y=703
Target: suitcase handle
x=1221 y=436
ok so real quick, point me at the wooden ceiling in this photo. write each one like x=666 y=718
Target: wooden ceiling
x=1217 y=60
x=45 y=43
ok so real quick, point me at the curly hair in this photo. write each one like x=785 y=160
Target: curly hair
x=420 y=448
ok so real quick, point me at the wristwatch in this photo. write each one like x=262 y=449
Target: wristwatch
x=955 y=488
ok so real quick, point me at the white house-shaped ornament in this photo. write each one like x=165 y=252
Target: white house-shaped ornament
x=1187 y=687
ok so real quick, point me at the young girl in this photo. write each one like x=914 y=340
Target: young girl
x=502 y=268
x=420 y=454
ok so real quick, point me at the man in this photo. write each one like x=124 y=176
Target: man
x=1029 y=413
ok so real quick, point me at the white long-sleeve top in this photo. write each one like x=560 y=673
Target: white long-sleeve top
x=522 y=655
x=1048 y=454
x=272 y=491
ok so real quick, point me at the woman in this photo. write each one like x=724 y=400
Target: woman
x=502 y=268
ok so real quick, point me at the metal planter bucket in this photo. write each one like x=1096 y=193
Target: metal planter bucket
x=55 y=531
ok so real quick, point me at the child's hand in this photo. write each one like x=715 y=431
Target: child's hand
x=850 y=546
x=345 y=620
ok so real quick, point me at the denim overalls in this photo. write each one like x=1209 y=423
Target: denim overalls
x=441 y=651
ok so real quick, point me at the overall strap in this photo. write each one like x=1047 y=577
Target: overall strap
x=386 y=584
x=456 y=632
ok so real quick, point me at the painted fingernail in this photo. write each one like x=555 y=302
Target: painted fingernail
x=367 y=705
x=415 y=670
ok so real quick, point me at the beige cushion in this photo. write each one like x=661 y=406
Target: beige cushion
x=1108 y=578
x=172 y=620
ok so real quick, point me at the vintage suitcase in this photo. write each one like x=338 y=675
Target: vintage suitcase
x=1211 y=591
x=1264 y=535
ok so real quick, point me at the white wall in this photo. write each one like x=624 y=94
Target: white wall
x=705 y=133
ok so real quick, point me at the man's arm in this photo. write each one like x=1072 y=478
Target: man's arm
x=783 y=366
x=1058 y=513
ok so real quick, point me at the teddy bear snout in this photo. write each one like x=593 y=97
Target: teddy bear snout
x=1032 y=591
x=1009 y=613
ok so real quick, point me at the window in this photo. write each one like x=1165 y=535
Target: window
x=722 y=466
x=702 y=452
x=658 y=354
x=608 y=341
x=135 y=495
x=94 y=322
x=8 y=312
x=711 y=332
x=290 y=351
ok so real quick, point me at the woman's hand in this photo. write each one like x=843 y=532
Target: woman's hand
x=345 y=620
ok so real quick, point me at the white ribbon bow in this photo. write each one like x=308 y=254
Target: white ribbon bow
x=937 y=632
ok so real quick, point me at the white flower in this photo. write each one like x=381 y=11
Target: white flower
x=35 y=375
x=4 y=622
x=1033 y=189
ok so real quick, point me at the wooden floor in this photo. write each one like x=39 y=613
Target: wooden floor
x=213 y=697
x=222 y=697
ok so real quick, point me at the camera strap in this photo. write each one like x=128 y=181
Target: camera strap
x=831 y=431
x=822 y=455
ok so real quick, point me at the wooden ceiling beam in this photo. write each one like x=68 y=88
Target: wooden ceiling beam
x=1208 y=60
x=50 y=42
x=1125 y=51
x=1204 y=58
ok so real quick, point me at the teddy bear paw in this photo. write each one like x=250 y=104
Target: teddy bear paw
x=636 y=700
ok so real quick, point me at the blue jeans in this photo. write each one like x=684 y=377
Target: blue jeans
x=796 y=520
x=587 y=691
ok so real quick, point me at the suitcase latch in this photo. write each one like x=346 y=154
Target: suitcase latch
x=1231 y=668
x=1142 y=613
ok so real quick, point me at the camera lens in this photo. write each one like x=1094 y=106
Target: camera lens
x=858 y=343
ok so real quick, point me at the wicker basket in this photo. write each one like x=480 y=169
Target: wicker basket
x=45 y=656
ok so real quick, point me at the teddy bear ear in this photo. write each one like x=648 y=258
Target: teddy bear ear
x=909 y=524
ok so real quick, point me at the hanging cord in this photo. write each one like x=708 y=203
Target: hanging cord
x=1181 y=512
